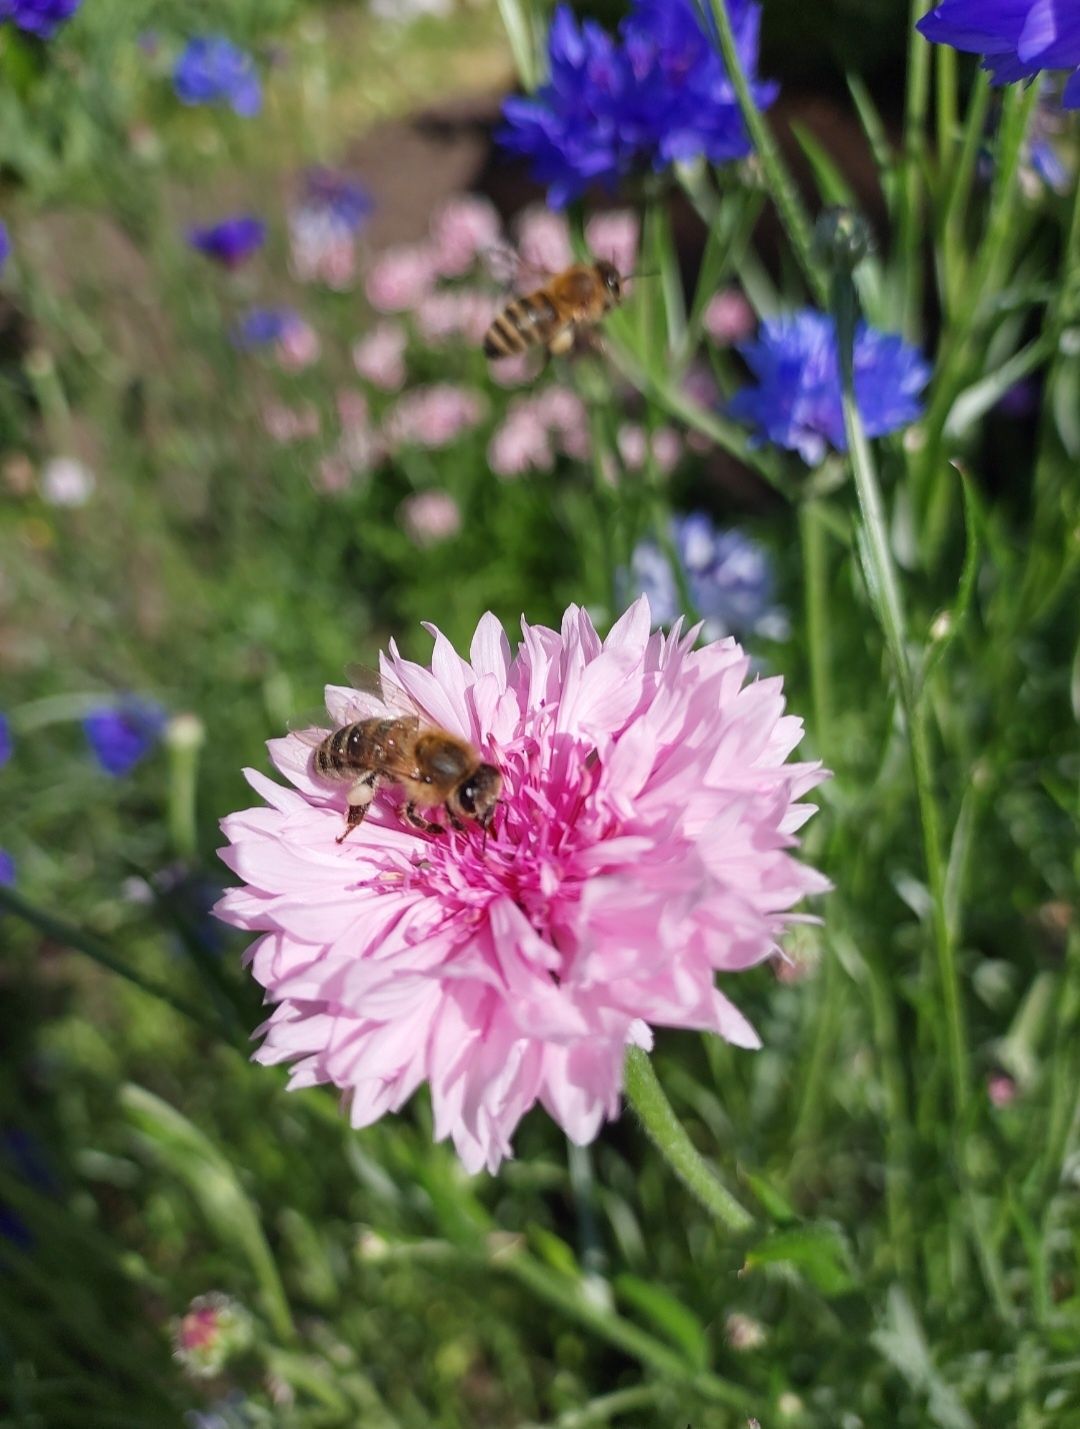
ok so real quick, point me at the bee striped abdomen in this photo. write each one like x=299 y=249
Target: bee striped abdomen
x=521 y=325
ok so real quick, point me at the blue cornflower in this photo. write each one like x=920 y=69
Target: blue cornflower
x=615 y=106
x=262 y=326
x=212 y=70
x=230 y=242
x=7 y=869
x=38 y=17
x=797 y=402
x=5 y=244
x=5 y=740
x=730 y=579
x=1017 y=38
x=122 y=734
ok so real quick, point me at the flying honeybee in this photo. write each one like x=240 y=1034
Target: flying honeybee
x=393 y=745
x=552 y=316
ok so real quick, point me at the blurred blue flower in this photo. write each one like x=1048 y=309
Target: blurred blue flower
x=730 y=579
x=38 y=17
x=122 y=734
x=262 y=326
x=5 y=244
x=213 y=70
x=230 y=242
x=5 y=740
x=7 y=869
x=615 y=106
x=336 y=197
x=1017 y=38
x=797 y=402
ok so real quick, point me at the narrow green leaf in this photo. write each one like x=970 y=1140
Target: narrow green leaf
x=191 y=1157
x=668 y=1315
x=820 y=1252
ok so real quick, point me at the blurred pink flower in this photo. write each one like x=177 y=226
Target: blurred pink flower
x=522 y=443
x=290 y=424
x=457 y=312
x=321 y=250
x=463 y=228
x=352 y=408
x=633 y=445
x=380 y=356
x=430 y=517
x=667 y=449
x=1001 y=1089
x=298 y=346
x=433 y=416
x=515 y=371
x=333 y=475
x=543 y=241
x=400 y=277
x=614 y=235
x=729 y=317
x=565 y=414
x=643 y=845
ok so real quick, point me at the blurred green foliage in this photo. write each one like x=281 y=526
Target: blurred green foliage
x=917 y=1267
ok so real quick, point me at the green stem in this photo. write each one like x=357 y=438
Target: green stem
x=777 y=179
x=668 y=1135
x=812 y=534
x=885 y=591
x=70 y=936
x=517 y=18
x=911 y=212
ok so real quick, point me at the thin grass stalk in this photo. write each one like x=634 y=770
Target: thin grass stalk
x=958 y=182
x=668 y=1135
x=778 y=181
x=912 y=195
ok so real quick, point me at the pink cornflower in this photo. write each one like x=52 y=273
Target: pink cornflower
x=456 y=312
x=461 y=230
x=522 y=443
x=298 y=346
x=614 y=235
x=430 y=517
x=433 y=416
x=400 y=277
x=543 y=242
x=290 y=424
x=729 y=317
x=380 y=356
x=321 y=249
x=643 y=844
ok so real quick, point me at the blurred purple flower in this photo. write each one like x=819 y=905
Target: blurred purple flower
x=1017 y=38
x=338 y=196
x=656 y=94
x=1021 y=399
x=262 y=326
x=7 y=869
x=730 y=578
x=5 y=740
x=120 y=735
x=38 y=17
x=797 y=402
x=5 y=244
x=230 y=242
x=212 y=70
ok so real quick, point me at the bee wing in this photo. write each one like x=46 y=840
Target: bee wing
x=370 y=693
x=511 y=271
x=311 y=726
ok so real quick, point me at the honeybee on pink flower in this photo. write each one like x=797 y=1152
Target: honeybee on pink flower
x=643 y=848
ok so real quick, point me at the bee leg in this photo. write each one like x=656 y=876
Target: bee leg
x=455 y=822
x=561 y=342
x=360 y=797
x=419 y=822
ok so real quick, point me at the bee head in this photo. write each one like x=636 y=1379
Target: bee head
x=478 y=795
x=612 y=281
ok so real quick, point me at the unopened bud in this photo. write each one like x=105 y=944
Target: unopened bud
x=214 y=1329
